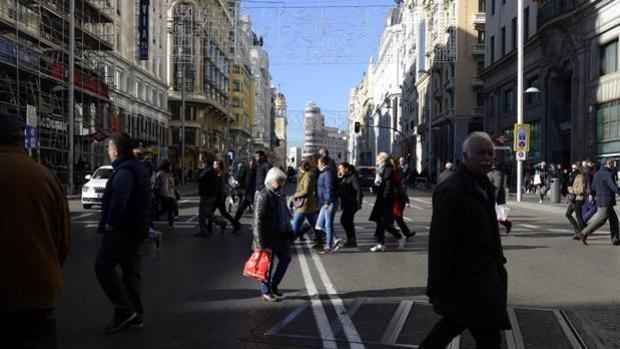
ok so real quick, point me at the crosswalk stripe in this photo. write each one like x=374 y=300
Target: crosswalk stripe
x=531 y=226
x=83 y=216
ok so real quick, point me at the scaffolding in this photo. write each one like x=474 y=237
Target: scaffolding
x=34 y=60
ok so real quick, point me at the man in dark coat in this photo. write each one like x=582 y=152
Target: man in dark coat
x=262 y=167
x=467 y=281
x=605 y=190
x=125 y=221
x=249 y=191
x=35 y=235
x=209 y=189
x=498 y=178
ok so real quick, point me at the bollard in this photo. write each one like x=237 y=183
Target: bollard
x=555 y=191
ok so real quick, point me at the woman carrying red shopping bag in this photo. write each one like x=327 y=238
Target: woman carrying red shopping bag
x=272 y=231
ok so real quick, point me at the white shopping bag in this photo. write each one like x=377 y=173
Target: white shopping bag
x=502 y=212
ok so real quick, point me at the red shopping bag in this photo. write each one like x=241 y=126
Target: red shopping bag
x=257 y=266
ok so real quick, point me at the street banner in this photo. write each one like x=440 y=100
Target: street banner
x=143 y=30
x=522 y=138
x=31 y=115
x=32 y=137
x=114 y=123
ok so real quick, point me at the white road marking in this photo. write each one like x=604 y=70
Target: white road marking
x=556 y=230
x=408 y=219
x=92 y=225
x=83 y=216
x=355 y=341
x=322 y=323
x=365 y=201
x=183 y=201
x=531 y=226
x=190 y=219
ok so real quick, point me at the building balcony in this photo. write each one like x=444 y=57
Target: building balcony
x=476 y=82
x=480 y=20
x=552 y=9
x=478 y=50
x=450 y=85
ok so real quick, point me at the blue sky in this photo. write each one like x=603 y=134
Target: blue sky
x=318 y=51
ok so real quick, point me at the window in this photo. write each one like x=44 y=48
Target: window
x=235 y=86
x=481 y=34
x=482 y=6
x=492 y=7
x=608 y=127
x=609 y=57
x=503 y=41
x=514 y=33
x=492 y=49
x=509 y=100
x=526 y=23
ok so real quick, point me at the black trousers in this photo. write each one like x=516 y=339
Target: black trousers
x=205 y=213
x=402 y=225
x=220 y=205
x=120 y=249
x=384 y=224
x=346 y=219
x=169 y=205
x=575 y=206
x=28 y=329
x=445 y=330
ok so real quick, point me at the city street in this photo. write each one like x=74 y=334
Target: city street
x=561 y=293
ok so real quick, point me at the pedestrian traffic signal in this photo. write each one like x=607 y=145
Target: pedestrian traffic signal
x=357 y=127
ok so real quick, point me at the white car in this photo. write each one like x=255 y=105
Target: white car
x=92 y=191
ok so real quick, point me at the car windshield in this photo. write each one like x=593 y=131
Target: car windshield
x=103 y=173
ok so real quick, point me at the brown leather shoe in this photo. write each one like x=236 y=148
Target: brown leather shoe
x=615 y=242
x=583 y=237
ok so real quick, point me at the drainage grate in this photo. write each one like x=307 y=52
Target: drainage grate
x=405 y=323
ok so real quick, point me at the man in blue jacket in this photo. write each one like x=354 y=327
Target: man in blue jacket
x=125 y=219
x=605 y=190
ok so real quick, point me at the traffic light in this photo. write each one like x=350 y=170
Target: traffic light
x=357 y=127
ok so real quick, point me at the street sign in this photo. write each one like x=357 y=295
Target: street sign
x=99 y=136
x=522 y=138
x=521 y=156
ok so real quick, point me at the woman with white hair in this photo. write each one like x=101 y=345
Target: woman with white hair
x=272 y=230
x=384 y=188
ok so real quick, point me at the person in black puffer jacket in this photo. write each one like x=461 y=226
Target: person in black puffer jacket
x=125 y=221
x=350 y=200
x=272 y=230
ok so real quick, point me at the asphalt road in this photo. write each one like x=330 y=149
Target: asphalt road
x=561 y=294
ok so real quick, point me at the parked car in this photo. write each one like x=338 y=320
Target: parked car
x=366 y=176
x=92 y=191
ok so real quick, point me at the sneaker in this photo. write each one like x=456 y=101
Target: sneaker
x=276 y=293
x=401 y=242
x=378 y=248
x=136 y=322
x=583 y=237
x=118 y=323
x=337 y=244
x=540 y=201
x=269 y=297
x=350 y=243
x=325 y=250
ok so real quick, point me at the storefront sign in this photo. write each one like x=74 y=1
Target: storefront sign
x=143 y=30
x=49 y=123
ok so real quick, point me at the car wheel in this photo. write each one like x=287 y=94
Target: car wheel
x=87 y=206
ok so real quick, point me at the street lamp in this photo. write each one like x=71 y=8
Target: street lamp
x=181 y=75
x=429 y=92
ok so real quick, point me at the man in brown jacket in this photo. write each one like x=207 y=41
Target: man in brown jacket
x=35 y=233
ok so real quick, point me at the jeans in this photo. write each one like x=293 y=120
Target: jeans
x=346 y=220
x=326 y=221
x=445 y=330
x=298 y=220
x=120 y=249
x=599 y=219
x=575 y=206
x=205 y=213
x=284 y=259
x=243 y=205
x=34 y=328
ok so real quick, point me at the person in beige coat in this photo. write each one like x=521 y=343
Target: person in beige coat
x=305 y=201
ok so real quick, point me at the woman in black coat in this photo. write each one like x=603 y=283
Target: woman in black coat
x=350 y=200
x=498 y=178
x=272 y=230
x=382 y=210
